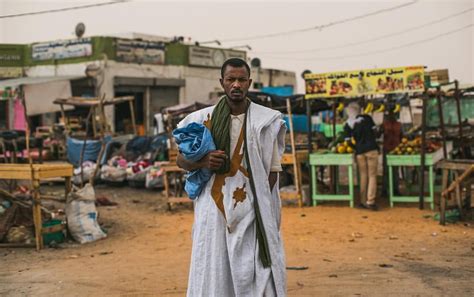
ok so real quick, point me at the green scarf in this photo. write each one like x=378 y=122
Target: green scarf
x=220 y=130
x=264 y=250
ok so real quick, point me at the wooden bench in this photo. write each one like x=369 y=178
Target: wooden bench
x=178 y=196
x=463 y=171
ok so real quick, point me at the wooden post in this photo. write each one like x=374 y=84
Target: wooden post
x=102 y=112
x=67 y=187
x=94 y=122
x=81 y=158
x=66 y=120
x=310 y=148
x=36 y=201
x=132 y=113
x=37 y=213
x=293 y=154
x=103 y=123
x=458 y=107
x=423 y=150
x=441 y=121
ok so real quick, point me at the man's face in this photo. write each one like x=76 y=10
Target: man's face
x=236 y=83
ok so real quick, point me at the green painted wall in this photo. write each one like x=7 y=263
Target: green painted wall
x=21 y=55
x=12 y=55
x=176 y=54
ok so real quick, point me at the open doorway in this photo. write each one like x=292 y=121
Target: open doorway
x=123 y=117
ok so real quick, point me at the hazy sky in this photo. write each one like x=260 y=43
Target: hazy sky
x=444 y=38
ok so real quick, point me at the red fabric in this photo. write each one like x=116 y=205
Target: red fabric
x=392 y=135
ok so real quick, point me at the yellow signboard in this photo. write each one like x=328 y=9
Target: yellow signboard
x=365 y=82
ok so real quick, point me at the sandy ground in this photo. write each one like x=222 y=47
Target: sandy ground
x=347 y=252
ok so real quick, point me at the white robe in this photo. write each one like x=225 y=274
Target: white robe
x=225 y=260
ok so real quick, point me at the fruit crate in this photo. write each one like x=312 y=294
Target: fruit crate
x=415 y=160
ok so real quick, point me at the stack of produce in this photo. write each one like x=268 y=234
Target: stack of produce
x=413 y=147
x=341 y=146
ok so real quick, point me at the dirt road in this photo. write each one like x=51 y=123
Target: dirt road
x=347 y=252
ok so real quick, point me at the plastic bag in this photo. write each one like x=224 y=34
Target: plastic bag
x=82 y=214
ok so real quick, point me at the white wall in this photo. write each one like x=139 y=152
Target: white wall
x=279 y=77
x=199 y=82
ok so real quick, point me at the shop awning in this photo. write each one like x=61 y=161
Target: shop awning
x=40 y=92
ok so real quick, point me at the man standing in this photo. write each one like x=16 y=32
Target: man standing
x=237 y=247
x=392 y=136
x=362 y=129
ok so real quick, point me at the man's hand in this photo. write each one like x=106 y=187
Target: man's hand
x=214 y=160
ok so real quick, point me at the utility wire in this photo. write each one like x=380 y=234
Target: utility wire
x=62 y=9
x=351 y=44
x=377 y=51
x=320 y=27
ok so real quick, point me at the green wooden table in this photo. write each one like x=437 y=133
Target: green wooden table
x=331 y=159
x=414 y=160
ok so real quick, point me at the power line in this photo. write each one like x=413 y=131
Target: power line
x=62 y=9
x=377 y=51
x=320 y=27
x=351 y=44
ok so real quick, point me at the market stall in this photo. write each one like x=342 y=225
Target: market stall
x=372 y=88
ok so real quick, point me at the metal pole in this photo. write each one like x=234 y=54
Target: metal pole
x=310 y=126
x=333 y=171
x=441 y=120
x=423 y=149
x=458 y=107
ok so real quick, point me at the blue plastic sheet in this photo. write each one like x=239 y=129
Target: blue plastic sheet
x=91 y=153
x=194 y=142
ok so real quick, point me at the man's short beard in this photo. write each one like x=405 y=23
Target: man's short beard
x=244 y=95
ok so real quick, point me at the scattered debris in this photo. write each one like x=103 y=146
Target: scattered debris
x=409 y=257
x=386 y=265
x=434 y=234
x=104 y=201
x=327 y=260
x=392 y=237
x=357 y=235
x=297 y=267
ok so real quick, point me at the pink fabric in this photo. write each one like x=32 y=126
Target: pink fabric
x=19 y=118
